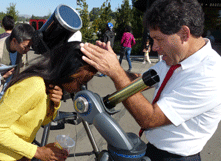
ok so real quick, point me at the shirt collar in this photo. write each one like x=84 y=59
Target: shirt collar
x=197 y=57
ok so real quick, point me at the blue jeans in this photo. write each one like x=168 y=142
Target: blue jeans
x=160 y=155
x=128 y=52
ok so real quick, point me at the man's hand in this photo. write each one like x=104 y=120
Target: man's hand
x=102 y=57
x=51 y=153
x=55 y=94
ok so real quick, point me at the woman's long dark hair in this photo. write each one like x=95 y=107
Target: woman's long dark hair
x=56 y=66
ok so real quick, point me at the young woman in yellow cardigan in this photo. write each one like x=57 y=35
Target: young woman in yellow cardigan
x=26 y=106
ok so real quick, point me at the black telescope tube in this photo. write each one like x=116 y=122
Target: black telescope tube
x=148 y=79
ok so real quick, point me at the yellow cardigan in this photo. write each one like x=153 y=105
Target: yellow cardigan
x=23 y=110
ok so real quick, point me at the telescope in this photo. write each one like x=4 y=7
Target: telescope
x=61 y=25
x=96 y=110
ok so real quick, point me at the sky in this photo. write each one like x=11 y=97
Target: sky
x=44 y=7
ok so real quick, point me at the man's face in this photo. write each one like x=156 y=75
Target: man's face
x=170 y=46
x=22 y=47
x=83 y=75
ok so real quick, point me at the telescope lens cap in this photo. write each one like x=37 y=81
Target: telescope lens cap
x=68 y=18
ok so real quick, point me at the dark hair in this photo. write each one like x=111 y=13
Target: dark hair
x=128 y=28
x=22 y=32
x=57 y=66
x=170 y=15
x=8 y=22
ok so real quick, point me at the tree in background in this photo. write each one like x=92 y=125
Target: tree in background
x=95 y=12
x=123 y=18
x=99 y=24
x=11 y=11
x=2 y=15
x=86 y=30
x=137 y=22
x=211 y=18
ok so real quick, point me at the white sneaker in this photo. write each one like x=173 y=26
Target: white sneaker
x=144 y=62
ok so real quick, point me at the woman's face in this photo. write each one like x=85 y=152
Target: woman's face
x=81 y=77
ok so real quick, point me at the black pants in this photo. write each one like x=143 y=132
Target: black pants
x=160 y=155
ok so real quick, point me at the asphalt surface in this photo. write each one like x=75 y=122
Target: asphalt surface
x=103 y=86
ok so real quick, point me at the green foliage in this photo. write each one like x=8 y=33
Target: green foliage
x=123 y=18
x=137 y=22
x=95 y=12
x=86 y=30
x=2 y=15
x=2 y=30
x=211 y=18
x=104 y=17
x=11 y=11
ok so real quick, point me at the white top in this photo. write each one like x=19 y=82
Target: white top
x=77 y=36
x=191 y=101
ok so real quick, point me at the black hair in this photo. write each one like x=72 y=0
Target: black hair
x=8 y=22
x=128 y=28
x=22 y=32
x=170 y=15
x=57 y=66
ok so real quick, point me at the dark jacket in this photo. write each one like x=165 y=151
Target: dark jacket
x=109 y=36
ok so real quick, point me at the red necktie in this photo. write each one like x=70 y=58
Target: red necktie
x=169 y=74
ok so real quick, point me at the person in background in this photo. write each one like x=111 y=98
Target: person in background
x=17 y=44
x=186 y=109
x=25 y=105
x=8 y=25
x=109 y=35
x=127 y=42
x=146 y=51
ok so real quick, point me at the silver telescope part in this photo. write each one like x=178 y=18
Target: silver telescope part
x=148 y=79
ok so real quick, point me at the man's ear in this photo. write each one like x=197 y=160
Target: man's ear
x=185 y=33
x=13 y=44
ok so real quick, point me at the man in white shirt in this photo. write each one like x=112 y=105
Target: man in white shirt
x=188 y=110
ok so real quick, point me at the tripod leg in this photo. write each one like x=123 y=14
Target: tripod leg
x=45 y=134
x=91 y=138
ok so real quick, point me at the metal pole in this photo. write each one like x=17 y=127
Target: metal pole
x=45 y=135
x=91 y=138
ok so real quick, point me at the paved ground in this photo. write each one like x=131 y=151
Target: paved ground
x=104 y=86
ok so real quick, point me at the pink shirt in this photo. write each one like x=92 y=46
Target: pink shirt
x=128 y=40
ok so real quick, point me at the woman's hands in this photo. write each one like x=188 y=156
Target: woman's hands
x=55 y=94
x=51 y=153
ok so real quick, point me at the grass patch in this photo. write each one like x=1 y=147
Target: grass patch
x=2 y=30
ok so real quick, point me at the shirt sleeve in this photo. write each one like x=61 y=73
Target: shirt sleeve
x=16 y=103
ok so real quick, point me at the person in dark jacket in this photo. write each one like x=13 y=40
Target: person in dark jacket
x=109 y=35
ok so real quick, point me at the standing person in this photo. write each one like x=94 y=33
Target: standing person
x=8 y=25
x=17 y=44
x=109 y=35
x=127 y=41
x=146 y=51
x=25 y=105
x=186 y=109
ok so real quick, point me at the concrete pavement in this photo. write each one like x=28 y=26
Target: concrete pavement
x=104 y=86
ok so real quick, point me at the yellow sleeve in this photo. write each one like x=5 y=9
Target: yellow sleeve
x=53 y=116
x=17 y=101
